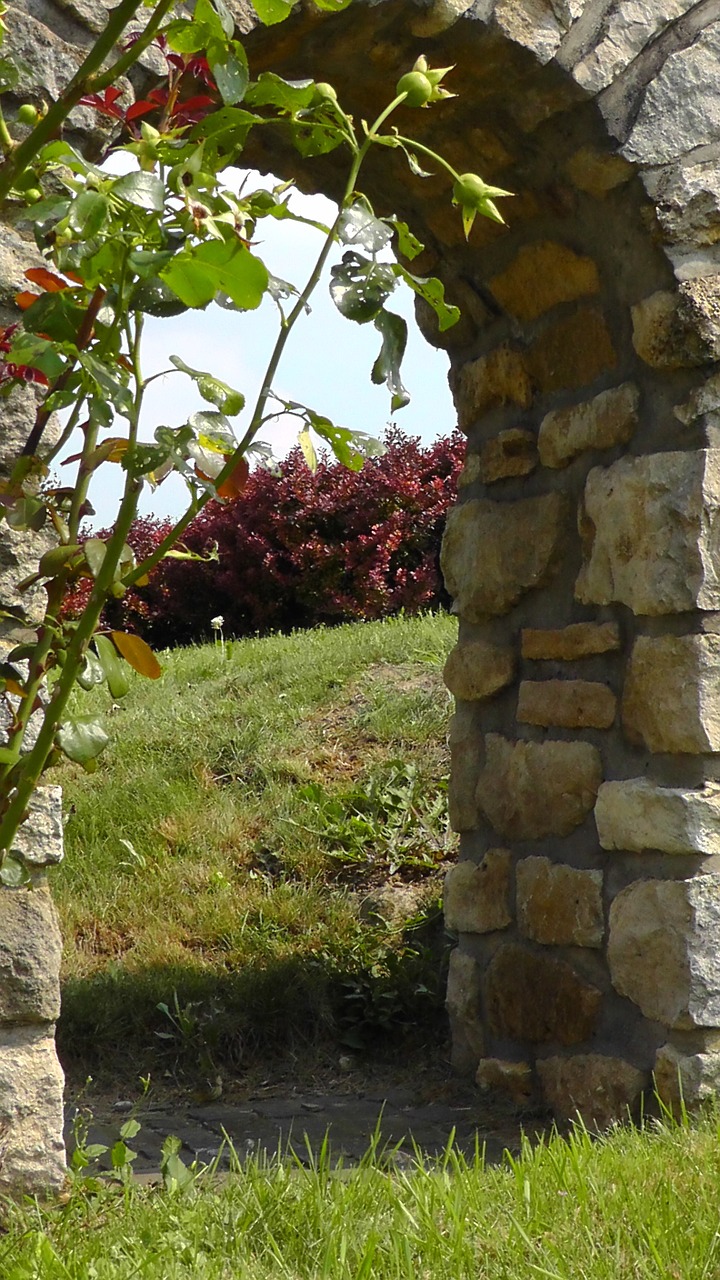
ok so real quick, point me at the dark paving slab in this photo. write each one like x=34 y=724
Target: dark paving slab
x=299 y=1123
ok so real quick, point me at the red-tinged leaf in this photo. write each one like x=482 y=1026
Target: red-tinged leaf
x=46 y=279
x=140 y=109
x=12 y=686
x=25 y=299
x=233 y=486
x=137 y=653
x=193 y=109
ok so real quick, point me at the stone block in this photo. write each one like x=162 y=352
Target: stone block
x=494 y=380
x=533 y=24
x=625 y=31
x=465 y=744
x=513 y=1080
x=39 y=841
x=651 y=528
x=662 y=336
x=470 y=473
x=687 y=203
x=663 y=951
x=680 y=108
x=637 y=814
x=559 y=905
x=495 y=552
x=540 y=276
x=463 y=1007
x=671 y=699
x=609 y=419
x=478 y=670
x=571 y=352
x=510 y=453
x=600 y=1090
x=597 y=172
x=686 y=1079
x=32 y=1152
x=532 y=997
x=566 y=704
x=30 y=954
x=579 y=640
x=477 y=895
x=530 y=790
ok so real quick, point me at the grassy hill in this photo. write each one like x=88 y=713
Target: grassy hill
x=252 y=875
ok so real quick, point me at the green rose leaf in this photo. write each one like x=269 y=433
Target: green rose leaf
x=145 y=190
x=272 y=11
x=387 y=366
x=359 y=226
x=91 y=672
x=359 y=286
x=232 y=77
x=114 y=669
x=270 y=90
x=88 y=213
x=115 y=391
x=433 y=291
x=217 y=266
x=56 y=315
x=225 y=398
x=154 y=298
x=82 y=739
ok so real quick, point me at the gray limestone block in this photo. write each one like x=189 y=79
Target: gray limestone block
x=680 y=109
x=39 y=841
x=30 y=954
x=32 y=1151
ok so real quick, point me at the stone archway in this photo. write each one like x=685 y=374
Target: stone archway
x=583 y=556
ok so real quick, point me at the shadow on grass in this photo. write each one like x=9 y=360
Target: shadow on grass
x=189 y=1021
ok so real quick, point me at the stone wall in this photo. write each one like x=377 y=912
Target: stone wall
x=583 y=556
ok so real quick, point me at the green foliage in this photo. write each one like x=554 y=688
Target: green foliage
x=635 y=1204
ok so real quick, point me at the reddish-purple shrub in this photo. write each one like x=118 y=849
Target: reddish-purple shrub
x=302 y=549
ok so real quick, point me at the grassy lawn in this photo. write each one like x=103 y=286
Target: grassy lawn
x=261 y=852
x=632 y=1206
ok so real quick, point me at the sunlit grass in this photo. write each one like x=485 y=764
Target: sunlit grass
x=197 y=861
x=635 y=1205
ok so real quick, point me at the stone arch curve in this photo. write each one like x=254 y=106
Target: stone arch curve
x=583 y=556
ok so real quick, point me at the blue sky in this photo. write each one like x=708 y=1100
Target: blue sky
x=326 y=365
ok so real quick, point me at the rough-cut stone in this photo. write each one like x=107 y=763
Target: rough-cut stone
x=651 y=528
x=671 y=699
x=687 y=202
x=463 y=1007
x=470 y=473
x=571 y=352
x=703 y=401
x=511 y=453
x=478 y=670
x=512 y=1079
x=30 y=953
x=600 y=1090
x=477 y=895
x=579 y=640
x=494 y=380
x=494 y=552
x=638 y=814
x=662 y=949
x=532 y=23
x=609 y=419
x=626 y=30
x=465 y=750
x=566 y=704
x=530 y=790
x=680 y=109
x=676 y=329
x=559 y=905
x=540 y=276
x=32 y=1153
x=685 y=1079
x=529 y=996
x=597 y=172
x=39 y=841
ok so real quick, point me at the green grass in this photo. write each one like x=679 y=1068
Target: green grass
x=635 y=1205
x=218 y=860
